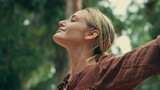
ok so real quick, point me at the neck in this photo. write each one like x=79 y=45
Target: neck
x=78 y=58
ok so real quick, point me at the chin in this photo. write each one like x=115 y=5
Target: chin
x=56 y=38
x=66 y=41
x=59 y=40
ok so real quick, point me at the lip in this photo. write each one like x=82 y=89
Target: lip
x=60 y=30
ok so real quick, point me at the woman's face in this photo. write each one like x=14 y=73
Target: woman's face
x=72 y=31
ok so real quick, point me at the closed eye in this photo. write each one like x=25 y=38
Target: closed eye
x=73 y=20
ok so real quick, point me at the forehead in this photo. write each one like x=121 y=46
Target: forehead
x=81 y=13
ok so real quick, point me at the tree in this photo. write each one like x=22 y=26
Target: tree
x=27 y=50
x=143 y=26
x=72 y=6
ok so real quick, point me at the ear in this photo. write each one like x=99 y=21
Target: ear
x=92 y=34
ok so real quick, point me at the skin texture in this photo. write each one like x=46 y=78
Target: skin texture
x=73 y=35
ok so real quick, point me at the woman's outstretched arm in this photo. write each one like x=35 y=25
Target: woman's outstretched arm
x=129 y=70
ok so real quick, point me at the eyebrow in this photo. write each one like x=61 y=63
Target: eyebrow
x=73 y=16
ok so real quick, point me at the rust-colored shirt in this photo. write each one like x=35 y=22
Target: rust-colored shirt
x=118 y=73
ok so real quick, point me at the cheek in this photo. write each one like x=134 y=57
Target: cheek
x=75 y=33
x=67 y=39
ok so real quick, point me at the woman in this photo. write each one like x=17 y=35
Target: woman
x=87 y=35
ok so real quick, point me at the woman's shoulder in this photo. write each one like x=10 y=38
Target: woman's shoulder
x=105 y=57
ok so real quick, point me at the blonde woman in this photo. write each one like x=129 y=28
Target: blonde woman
x=87 y=35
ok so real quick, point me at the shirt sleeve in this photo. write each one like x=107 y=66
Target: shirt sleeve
x=130 y=69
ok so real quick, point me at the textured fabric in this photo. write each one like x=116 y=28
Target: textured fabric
x=118 y=73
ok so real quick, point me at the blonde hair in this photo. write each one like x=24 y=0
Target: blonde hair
x=97 y=20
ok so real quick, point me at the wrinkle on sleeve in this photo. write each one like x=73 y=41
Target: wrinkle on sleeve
x=130 y=69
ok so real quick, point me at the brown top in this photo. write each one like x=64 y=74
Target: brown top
x=118 y=73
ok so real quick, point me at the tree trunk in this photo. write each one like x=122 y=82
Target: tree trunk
x=152 y=16
x=72 y=6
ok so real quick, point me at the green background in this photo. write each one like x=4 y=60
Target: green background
x=30 y=60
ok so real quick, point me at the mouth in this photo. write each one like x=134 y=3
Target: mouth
x=60 y=30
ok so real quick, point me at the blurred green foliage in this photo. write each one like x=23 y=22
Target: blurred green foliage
x=28 y=54
x=30 y=60
x=143 y=25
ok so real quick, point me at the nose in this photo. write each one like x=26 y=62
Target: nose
x=62 y=23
